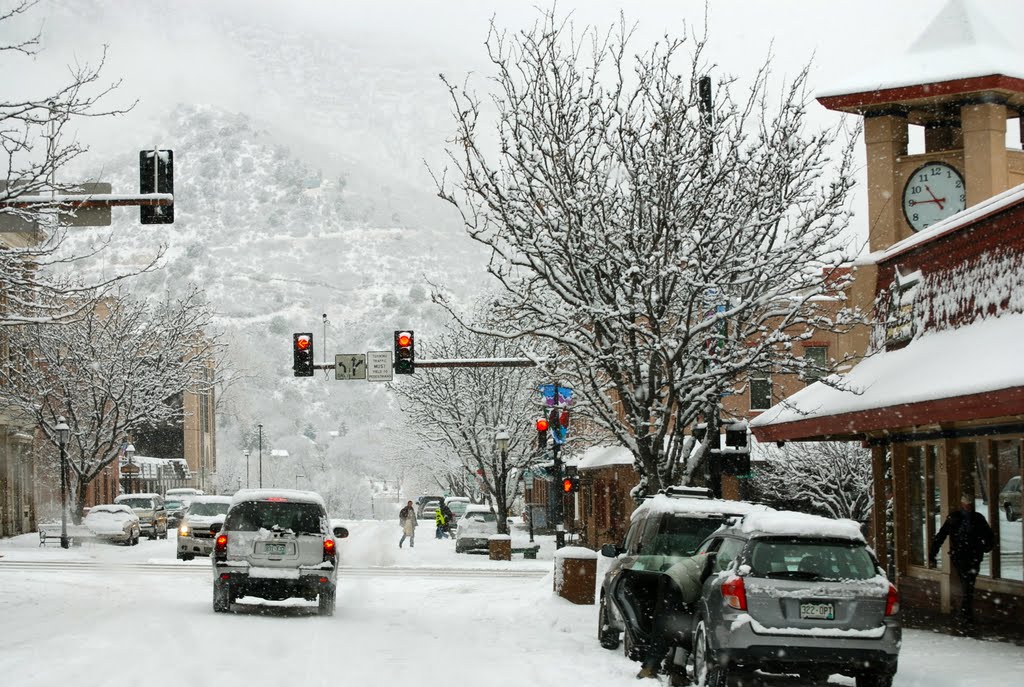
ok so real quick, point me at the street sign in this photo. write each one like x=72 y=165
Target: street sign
x=379 y=366
x=130 y=469
x=350 y=366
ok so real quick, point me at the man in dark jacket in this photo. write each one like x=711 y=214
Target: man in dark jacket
x=970 y=538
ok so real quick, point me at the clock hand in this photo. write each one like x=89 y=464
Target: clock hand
x=937 y=201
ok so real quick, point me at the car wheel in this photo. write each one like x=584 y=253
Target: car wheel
x=221 y=597
x=1010 y=517
x=708 y=672
x=152 y=535
x=459 y=548
x=135 y=539
x=606 y=634
x=326 y=602
x=875 y=680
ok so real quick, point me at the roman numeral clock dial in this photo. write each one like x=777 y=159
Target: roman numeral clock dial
x=933 y=192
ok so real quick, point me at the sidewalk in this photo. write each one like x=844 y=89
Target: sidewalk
x=922 y=619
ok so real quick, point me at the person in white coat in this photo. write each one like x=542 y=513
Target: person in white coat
x=407 y=518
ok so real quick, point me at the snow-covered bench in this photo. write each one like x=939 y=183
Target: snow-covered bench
x=49 y=532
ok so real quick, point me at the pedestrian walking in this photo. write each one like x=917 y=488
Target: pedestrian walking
x=449 y=521
x=970 y=538
x=440 y=520
x=407 y=518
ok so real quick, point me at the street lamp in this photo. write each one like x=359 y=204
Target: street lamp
x=129 y=451
x=246 y=454
x=501 y=443
x=261 y=454
x=63 y=434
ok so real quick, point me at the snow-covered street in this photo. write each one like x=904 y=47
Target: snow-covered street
x=423 y=616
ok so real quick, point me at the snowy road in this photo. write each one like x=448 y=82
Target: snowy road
x=99 y=616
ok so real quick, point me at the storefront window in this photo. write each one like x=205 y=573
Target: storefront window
x=1009 y=525
x=923 y=502
x=974 y=485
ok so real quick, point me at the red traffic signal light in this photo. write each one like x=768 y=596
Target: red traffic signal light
x=302 y=354
x=542 y=425
x=405 y=353
x=570 y=485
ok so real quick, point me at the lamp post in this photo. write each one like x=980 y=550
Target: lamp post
x=246 y=454
x=260 y=426
x=501 y=443
x=129 y=451
x=63 y=434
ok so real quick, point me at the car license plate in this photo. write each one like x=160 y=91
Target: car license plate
x=275 y=549
x=817 y=612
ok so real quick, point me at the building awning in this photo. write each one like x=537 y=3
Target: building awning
x=972 y=373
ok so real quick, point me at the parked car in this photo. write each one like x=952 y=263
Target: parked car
x=426 y=506
x=195 y=536
x=795 y=593
x=1010 y=499
x=276 y=544
x=113 y=522
x=151 y=512
x=457 y=505
x=183 y=493
x=649 y=593
x=477 y=525
x=175 y=511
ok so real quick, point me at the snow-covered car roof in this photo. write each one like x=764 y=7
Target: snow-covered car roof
x=477 y=508
x=661 y=503
x=800 y=524
x=456 y=499
x=293 y=495
x=211 y=499
x=147 y=495
x=110 y=508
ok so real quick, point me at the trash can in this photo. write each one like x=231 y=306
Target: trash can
x=576 y=574
x=499 y=546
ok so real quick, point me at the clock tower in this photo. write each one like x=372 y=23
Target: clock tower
x=964 y=85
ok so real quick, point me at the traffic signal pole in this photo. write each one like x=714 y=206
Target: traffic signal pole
x=558 y=515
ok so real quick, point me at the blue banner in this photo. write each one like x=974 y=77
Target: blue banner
x=547 y=392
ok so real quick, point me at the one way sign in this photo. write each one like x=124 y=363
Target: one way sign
x=350 y=366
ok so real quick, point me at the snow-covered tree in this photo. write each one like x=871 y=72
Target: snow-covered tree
x=35 y=149
x=459 y=411
x=667 y=249
x=115 y=369
x=828 y=478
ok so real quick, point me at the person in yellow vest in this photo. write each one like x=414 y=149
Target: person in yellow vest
x=440 y=520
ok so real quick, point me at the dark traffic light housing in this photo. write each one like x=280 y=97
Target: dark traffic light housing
x=405 y=352
x=302 y=350
x=156 y=175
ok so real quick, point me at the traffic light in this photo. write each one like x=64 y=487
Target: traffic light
x=405 y=353
x=156 y=175
x=302 y=350
x=542 y=434
x=570 y=485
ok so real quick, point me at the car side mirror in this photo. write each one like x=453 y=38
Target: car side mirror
x=341 y=532
x=215 y=527
x=709 y=566
x=610 y=550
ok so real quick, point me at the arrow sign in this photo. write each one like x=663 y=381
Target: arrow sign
x=350 y=366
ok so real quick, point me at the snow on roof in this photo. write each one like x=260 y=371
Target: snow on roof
x=959 y=43
x=966 y=217
x=603 y=456
x=660 y=503
x=211 y=498
x=295 y=495
x=143 y=495
x=788 y=522
x=980 y=357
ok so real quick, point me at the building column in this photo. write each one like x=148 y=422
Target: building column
x=881 y=499
x=985 y=160
x=885 y=140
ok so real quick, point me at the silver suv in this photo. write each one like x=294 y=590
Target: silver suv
x=151 y=512
x=195 y=536
x=795 y=593
x=276 y=544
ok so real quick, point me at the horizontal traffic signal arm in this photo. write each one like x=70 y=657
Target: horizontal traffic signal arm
x=90 y=200
x=478 y=362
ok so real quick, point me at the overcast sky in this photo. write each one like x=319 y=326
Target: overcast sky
x=197 y=51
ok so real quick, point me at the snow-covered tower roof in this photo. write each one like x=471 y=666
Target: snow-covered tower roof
x=960 y=53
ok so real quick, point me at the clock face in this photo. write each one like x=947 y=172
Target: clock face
x=933 y=192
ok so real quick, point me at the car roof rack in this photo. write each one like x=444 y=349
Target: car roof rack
x=687 y=492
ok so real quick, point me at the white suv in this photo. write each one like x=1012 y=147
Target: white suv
x=195 y=536
x=276 y=544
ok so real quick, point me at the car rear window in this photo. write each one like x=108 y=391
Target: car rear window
x=680 y=535
x=137 y=503
x=251 y=516
x=809 y=559
x=207 y=509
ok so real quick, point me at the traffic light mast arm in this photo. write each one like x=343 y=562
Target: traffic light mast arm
x=90 y=200
x=478 y=362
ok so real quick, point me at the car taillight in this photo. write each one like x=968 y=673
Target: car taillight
x=329 y=547
x=220 y=548
x=892 y=601
x=734 y=593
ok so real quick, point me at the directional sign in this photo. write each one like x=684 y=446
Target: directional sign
x=350 y=366
x=379 y=367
